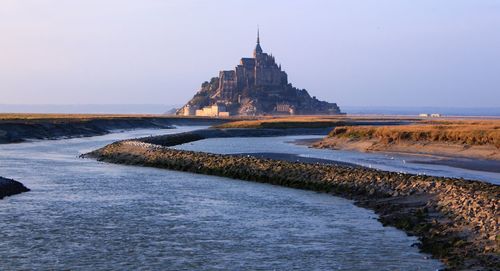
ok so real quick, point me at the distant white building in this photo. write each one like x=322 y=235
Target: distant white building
x=433 y=115
x=188 y=110
x=285 y=108
x=216 y=110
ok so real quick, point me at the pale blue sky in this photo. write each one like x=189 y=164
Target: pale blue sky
x=368 y=53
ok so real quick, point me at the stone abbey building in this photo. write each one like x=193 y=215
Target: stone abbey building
x=257 y=86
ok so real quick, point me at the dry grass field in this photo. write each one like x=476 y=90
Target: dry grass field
x=486 y=132
x=308 y=121
x=284 y=123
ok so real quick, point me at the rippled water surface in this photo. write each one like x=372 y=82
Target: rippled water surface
x=86 y=215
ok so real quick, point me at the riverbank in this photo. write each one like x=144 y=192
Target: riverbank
x=455 y=219
x=9 y=187
x=16 y=128
x=228 y=130
x=293 y=158
x=186 y=137
x=455 y=139
x=443 y=150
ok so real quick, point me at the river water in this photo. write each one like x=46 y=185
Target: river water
x=86 y=215
x=392 y=162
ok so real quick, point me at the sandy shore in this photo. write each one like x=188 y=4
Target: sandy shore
x=486 y=152
x=465 y=163
x=482 y=158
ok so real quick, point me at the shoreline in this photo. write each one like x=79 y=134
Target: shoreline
x=436 y=149
x=186 y=137
x=294 y=158
x=20 y=130
x=9 y=187
x=473 y=139
x=454 y=218
x=441 y=154
x=464 y=163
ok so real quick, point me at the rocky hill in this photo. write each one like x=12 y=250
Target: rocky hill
x=257 y=86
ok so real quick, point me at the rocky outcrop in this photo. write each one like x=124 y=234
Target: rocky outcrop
x=10 y=187
x=456 y=220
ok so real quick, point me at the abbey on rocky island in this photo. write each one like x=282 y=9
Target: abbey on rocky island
x=257 y=86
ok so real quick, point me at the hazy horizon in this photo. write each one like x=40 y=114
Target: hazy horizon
x=167 y=108
x=354 y=53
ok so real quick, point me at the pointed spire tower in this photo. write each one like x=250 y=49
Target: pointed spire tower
x=258 y=49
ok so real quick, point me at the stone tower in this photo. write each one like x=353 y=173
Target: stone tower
x=258 y=50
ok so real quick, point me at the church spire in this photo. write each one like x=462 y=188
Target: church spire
x=258 y=49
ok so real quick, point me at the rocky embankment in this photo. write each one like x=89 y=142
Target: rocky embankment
x=10 y=187
x=456 y=220
x=19 y=130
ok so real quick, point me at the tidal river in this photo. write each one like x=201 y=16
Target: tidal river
x=413 y=164
x=85 y=215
